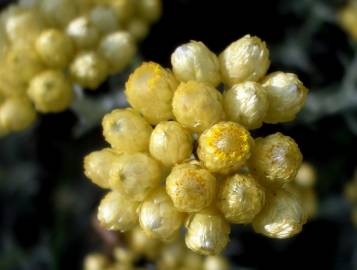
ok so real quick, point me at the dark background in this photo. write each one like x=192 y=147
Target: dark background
x=46 y=204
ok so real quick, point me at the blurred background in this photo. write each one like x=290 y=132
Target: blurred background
x=47 y=205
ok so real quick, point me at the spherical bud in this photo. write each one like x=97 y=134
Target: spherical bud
x=191 y=261
x=10 y=84
x=118 y=49
x=194 y=61
x=286 y=95
x=150 y=10
x=149 y=90
x=103 y=18
x=207 y=232
x=17 y=113
x=171 y=143
x=50 y=91
x=95 y=261
x=58 y=12
x=124 y=9
x=89 y=69
x=117 y=212
x=306 y=176
x=22 y=25
x=190 y=187
x=98 y=164
x=171 y=255
x=246 y=103
x=246 y=59
x=197 y=106
x=158 y=217
x=136 y=175
x=84 y=34
x=55 y=48
x=224 y=147
x=275 y=159
x=282 y=216
x=138 y=28
x=240 y=198
x=215 y=263
x=126 y=131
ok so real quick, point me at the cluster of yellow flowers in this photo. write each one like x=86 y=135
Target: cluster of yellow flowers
x=137 y=246
x=49 y=45
x=347 y=17
x=351 y=196
x=183 y=153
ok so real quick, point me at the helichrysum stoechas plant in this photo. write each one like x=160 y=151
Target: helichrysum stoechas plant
x=138 y=247
x=49 y=45
x=183 y=154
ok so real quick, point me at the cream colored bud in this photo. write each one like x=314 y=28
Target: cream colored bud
x=197 y=106
x=117 y=212
x=55 y=48
x=190 y=187
x=224 y=147
x=240 y=198
x=171 y=255
x=282 y=216
x=118 y=49
x=194 y=61
x=149 y=90
x=50 y=91
x=171 y=143
x=126 y=131
x=150 y=10
x=215 y=263
x=98 y=164
x=89 y=69
x=246 y=103
x=138 y=28
x=95 y=261
x=103 y=18
x=207 y=232
x=275 y=159
x=246 y=59
x=58 y=12
x=17 y=113
x=158 y=217
x=286 y=94
x=306 y=176
x=84 y=34
x=141 y=244
x=135 y=174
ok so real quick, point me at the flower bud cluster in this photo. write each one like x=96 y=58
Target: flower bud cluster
x=48 y=46
x=183 y=154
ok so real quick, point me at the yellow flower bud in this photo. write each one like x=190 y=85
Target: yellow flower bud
x=193 y=61
x=117 y=212
x=306 y=176
x=197 y=106
x=50 y=91
x=192 y=261
x=158 y=217
x=240 y=198
x=89 y=69
x=58 y=12
x=84 y=34
x=149 y=90
x=170 y=143
x=103 y=18
x=55 y=48
x=140 y=243
x=275 y=159
x=171 y=255
x=286 y=94
x=224 y=147
x=17 y=113
x=215 y=263
x=282 y=216
x=190 y=187
x=150 y=10
x=138 y=28
x=95 y=261
x=246 y=59
x=118 y=49
x=246 y=103
x=98 y=164
x=126 y=131
x=348 y=18
x=207 y=232
x=135 y=174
